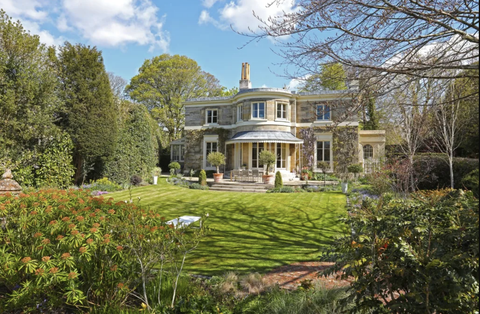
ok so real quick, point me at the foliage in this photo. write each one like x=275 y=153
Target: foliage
x=470 y=181
x=90 y=116
x=136 y=145
x=216 y=159
x=202 y=177
x=165 y=82
x=209 y=173
x=278 y=180
x=355 y=168
x=418 y=255
x=330 y=77
x=198 y=186
x=372 y=122
x=28 y=98
x=282 y=189
x=345 y=150
x=136 y=180
x=266 y=158
x=432 y=170
x=308 y=147
x=75 y=250
x=156 y=171
x=103 y=184
x=174 y=165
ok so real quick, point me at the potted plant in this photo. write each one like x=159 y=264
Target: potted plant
x=244 y=166
x=268 y=159
x=305 y=173
x=216 y=159
x=324 y=166
x=156 y=172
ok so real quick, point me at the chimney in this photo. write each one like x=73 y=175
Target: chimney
x=245 y=77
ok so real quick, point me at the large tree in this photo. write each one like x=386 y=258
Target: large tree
x=90 y=114
x=28 y=99
x=331 y=77
x=379 y=39
x=165 y=82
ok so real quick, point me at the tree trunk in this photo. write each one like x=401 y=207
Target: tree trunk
x=78 y=171
x=450 y=164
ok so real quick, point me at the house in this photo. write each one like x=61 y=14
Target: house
x=279 y=120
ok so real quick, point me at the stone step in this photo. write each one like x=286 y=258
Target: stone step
x=239 y=187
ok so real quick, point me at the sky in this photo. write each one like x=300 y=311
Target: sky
x=130 y=31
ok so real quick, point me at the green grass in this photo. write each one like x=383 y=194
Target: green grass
x=249 y=231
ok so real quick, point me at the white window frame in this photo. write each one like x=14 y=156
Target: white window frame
x=258 y=111
x=284 y=112
x=208 y=139
x=240 y=112
x=324 y=109
x=180 y=150
x=206 y=116
x=363 y=152
x=324 y=138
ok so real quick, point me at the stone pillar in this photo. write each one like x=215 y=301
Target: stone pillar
x=8 y=185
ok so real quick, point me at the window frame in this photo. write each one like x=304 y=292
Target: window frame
x=325 y=110
x=283 y=112
x=258 y=110
x=212 y=116
x=363 y=150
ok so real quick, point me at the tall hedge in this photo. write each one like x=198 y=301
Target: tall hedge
x=136 y=149
x=433 y=172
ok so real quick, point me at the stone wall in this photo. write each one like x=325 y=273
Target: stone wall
x=195 y=116
x=193 y=158
x=306 y=111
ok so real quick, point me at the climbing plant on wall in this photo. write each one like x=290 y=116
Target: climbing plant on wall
x=345 y=148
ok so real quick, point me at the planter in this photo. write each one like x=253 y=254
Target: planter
x=305 y=176
x=344 y=187
x=268 y=179
x=155 y=179
x=217 y=177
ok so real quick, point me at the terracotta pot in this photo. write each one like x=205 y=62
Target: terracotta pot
x=304 y=176
x=217 y=177
x=268 y=178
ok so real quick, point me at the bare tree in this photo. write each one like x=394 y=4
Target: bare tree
x=117 y=84
x=380 y=39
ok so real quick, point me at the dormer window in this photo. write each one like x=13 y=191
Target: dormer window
x=258 y=110
x=212 y=116
x=281 y=111
x=323 y=112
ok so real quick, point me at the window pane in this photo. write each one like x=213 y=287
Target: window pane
x=326 y=112
x=261 y=110
x=255 y=110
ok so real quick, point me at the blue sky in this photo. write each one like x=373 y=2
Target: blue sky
x=130 y=31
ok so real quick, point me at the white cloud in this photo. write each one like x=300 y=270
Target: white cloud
x=240 y=13
x=205 y=18
x=117 y=22
x=45 y=36
x=295 y=83
x=209 y=3
x=24 y=8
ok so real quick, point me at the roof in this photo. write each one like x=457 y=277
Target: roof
x=178 y=142
x=264 y=137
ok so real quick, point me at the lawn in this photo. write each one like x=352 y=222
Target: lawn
x=249 y=232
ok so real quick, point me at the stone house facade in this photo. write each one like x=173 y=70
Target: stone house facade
x=255 y=119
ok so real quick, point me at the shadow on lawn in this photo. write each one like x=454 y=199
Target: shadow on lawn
x=246 y=239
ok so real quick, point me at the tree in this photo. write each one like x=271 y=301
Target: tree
x=90 y=116
x=165 y=82
x=28 y=98
x=377 y=41
x=372 y=120
x=117 y=84
x=331 y=77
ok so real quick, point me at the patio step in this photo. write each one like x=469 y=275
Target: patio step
x=240 y=187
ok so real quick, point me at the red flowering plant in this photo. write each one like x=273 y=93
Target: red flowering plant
x=66 y=248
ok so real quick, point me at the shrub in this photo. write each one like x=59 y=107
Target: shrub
x=103 y=185
x=174 y=165
x=432 y=170
x=278 y=180
x=197 y=186
x=216 y=159
x=285 y=189
x=430 y=262
x=202 y=177
x=74 y=250
x=470 y=181
x=135 y=180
